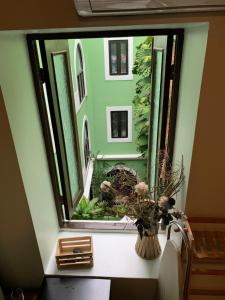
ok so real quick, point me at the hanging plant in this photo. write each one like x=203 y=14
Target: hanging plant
x=141 y=101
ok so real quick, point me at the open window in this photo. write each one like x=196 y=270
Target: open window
x=125 y=138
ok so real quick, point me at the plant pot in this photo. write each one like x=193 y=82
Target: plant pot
x=148 y=246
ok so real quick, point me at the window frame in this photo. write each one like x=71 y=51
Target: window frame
x=39 y=74
x=130 y=58
x=118 y=55
x=78 y=102
x=110 y=109
x=80 y=75
x=86 y=166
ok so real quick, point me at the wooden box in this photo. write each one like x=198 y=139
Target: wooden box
x=75 y=252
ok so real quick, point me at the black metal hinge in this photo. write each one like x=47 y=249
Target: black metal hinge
x=42 y=75
x=172 y=72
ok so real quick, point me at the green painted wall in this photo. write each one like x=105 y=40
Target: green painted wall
x=195 y=41
x=22 y=109
x=138 y=165
x=87 y=106
x=100 y=94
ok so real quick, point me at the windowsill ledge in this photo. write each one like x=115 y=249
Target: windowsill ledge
x=114 y=256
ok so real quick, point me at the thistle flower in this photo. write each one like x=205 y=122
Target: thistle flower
x=141 y=188
x=162 y=201
x=105 y=186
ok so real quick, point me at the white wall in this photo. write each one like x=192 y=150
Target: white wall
x=22 y=110
x=195 y=42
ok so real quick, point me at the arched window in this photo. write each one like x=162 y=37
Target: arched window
x=80 y=73
x=86 y=144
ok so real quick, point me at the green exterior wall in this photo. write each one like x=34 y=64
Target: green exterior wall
x=138 y=165
x=100 y=94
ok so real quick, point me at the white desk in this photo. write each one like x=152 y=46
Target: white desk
x=114 y=257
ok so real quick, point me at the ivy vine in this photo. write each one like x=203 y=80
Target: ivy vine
x=141 y=101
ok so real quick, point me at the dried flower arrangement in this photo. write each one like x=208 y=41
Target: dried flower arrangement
x=149 y=207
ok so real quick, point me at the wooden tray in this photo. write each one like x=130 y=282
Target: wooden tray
x=75 y=252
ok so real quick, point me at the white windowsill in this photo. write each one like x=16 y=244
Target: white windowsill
x=119 y=156
x=114 y=256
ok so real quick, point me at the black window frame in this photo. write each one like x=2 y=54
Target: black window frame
x=80 y=75
x=39 y=75
x=119 y=124
x=118 y=55
x=86 y=144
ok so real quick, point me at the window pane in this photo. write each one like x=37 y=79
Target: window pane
x=123 y=55
x=79 y=62
x=62 y=86
x=113 y=57
x=114 y=124
x=86 y=145
x=123 y=122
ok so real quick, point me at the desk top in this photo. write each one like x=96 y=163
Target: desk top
x=75 y=288
x=114 y=257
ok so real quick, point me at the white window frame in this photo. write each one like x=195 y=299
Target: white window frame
x=129 y=125
x=129 y=76
x=78 y=104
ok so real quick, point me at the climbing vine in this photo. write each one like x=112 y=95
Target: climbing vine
x=141 y=101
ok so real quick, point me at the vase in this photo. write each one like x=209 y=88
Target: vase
x=148 y=246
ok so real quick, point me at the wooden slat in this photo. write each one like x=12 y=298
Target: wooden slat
x=69 y=248
x=69 y=243
x=209 y=245
x=206 y=220
x=80 y=238
x=75 y=254
x=207 y=292
x=196 y=271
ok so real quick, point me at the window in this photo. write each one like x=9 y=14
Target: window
x=118 y=57
x=58 y=65
x=119 y=124
x=118 y=53
x=86 y=145
x=80 y=74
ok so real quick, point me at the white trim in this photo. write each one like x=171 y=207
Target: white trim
x=89 y=175
x=78 y=104
x=130 y=59
x=85 y=170
x=129 y=125
x=119 y=156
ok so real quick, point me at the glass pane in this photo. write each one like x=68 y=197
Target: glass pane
x=86 y=145
x=123 y=122
x=123 y=54
x=113 y=57
x=67 y=126
x=79 y=62
x=114 y=124
x=156 y=113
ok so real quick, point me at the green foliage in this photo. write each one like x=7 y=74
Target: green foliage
x=120 y=210
x=99 y=176
x=141 y=101
x=88 y=209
